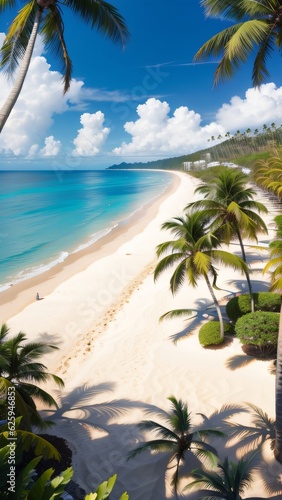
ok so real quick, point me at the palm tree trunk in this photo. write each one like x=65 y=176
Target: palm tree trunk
x=15 y=92
x=278 y=396
x=247 y=273
x=217 y=306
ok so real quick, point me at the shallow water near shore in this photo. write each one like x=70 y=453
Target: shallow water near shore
x=44 y=218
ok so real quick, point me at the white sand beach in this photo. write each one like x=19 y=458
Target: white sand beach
x=118 y=360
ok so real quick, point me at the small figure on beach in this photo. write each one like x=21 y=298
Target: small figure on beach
x=37 y=296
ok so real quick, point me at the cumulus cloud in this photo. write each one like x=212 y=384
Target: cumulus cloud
x=157 y=132
x=92 y=135
x=258 y=107
x=33 y=115
x=52 y=147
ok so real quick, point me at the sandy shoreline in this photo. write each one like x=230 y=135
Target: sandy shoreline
x=118 y=360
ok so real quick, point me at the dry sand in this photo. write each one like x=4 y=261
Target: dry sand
x=118 y=360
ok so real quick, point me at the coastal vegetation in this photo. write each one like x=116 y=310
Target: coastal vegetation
x=229 y=481
x=20 y=372
x=232 y=211
x=244 y=148
x=264 y=301
x=44 y=17
x=194 y=252
x=257 y=30
x=258 y=332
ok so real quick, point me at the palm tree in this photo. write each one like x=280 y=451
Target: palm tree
x=194 y=252
x=45 y=17
x=258 y=27
x=20 y=369
x=229 y=204
x=275 y=266
x=268 y=174
x=229 y=482
x=178 y=436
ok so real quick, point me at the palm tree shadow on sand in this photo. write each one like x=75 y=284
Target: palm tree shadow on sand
x=100 y=444
x=205 y=309
x=217 y=420
x=77 y=415
x=257 y=285
x=78 y=408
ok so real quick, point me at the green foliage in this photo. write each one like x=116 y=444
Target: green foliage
x=264 y=301
x=209 y=333
x=228 y=481
x=104 y=489
x=259 y=328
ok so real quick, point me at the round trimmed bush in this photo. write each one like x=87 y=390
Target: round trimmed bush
x=209 y=333
x=264 y=301
x=258 y=329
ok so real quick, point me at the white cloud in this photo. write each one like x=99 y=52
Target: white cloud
x=156 y=132
x=41 y=97
x=92 y=135
x=258 y=107
x=52 y=147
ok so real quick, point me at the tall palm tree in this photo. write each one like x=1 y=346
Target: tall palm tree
x=178 y=436
x=257 y=28
x=275 y=266
x=229 y=482
x=20 y=370
x=232 y=210
x=45 y=17
x=195 y=253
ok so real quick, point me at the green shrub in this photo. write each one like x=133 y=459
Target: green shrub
x=209 y=333
x=264 y=301
x=259 y=328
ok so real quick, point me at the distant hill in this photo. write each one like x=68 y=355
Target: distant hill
x=241 y=149
x=175 y=163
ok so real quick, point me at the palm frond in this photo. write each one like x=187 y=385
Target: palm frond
x=229 y=260
x=178 y=277
x=103 y=16
x=36 y=392
x=15 y=43
x=166 y=263
x=53 y=37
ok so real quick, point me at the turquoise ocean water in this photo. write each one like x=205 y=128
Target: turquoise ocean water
x=45 y=217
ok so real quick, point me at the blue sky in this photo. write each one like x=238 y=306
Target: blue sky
x=145 y=102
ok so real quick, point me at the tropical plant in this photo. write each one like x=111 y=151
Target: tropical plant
x=258 y=332
x=275 y=266
x=45 y=17
x=267 y=174
x=20 y=369
x=194 y=252
x=178 y=436
x=209 y=333
x=257 y=28
x=264 y=301
x=104 y=489
x=233 y=212
x=228 y=482
x=25 y=484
